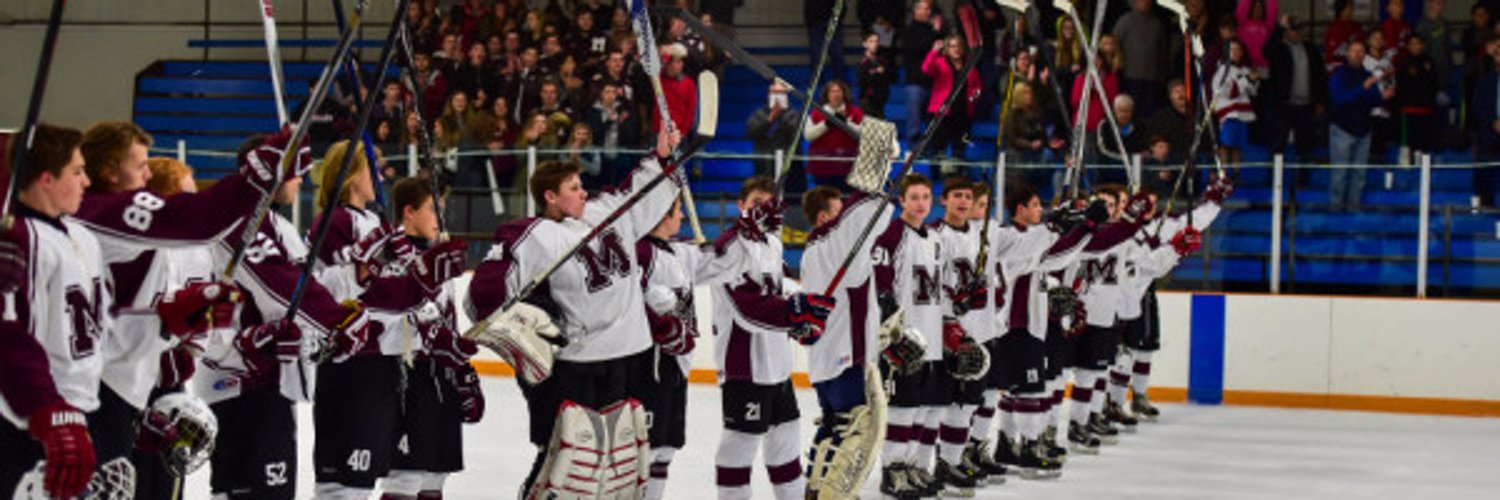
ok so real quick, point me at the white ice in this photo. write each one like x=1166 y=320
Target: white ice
x=1193 y=452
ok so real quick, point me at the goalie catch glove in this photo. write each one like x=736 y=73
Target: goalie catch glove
x=966 y=359
x=525 y=337
x=902 y=347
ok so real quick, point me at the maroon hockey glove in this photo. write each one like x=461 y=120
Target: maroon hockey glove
x=953 y=334
x=157 y=432
x=1080 y=319
x=199 y=307
x=350 y=335
x=809 y=316
x=1138 y=209
x=177 y=365
x=375 y=244
x=64 y=434
x=1218 y=190
x=262 y=345
x=672 y=333
x=12 y=264
x=760 y=221
x=439 y=264
x=470 y=395
x=968 y=297
x=1187 y=241
x=260 y=164
x=904 y=354
x=445 y=346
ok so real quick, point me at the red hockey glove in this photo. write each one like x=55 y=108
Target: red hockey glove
x=809 y=316
x=439 y=264
x=672 y=333
x=1138 y=209
x=12 y=265
x=177 y=365
x=157 y=432
x=445 y=346
x=953 y=334
x=760 y=221
x=64 y=434
x=1080 y=319
x=350 y=335
x=264 y=344
x=1187 y=241
x=261 y=164
x=470 y=395
x=1219 y=190
x=375 y=244
x=199 y=307
x=970 y=296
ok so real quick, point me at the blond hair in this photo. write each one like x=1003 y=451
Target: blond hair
x=327 y=172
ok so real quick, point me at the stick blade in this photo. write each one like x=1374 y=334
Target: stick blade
x=1015 y=5
x=708 y=104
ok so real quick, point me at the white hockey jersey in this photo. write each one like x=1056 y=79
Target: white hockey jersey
x=597 y=293
x=960 y=257
x=56 y=345
x=909 y=266
x=678 y=266
x=1099 y=274
x=1026 y=290
x=1146 y=259
x=852 y=334
x=751 y=314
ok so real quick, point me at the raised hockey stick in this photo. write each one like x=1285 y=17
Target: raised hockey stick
x=1019 y=6
x=425 y=153
x=299 y=132
x=645 y=41
x=812 y=89
x=33 y=113
x=1090 y=50
x=273 y=58
x=1191 y=43
x=366 y=110
x=357 y=84
x=970 y=23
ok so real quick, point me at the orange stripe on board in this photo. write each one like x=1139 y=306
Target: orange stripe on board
x=1389 y=404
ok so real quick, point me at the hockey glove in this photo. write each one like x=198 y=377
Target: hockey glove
x=760 y=221
x=350 y=335
x=662 y=300
x=64 y=434
x=439 y=264
x=809 y=316
x=156 y=433
x=903 y=346
x=262 y=345
x=1096 y=214
x=373 y=245
x=177 y=365
x=12 y=265
x=525 y=337
x=197 y=308
x=1080 y=319
x=1138 y=209
x=966 y=359
x=969 y=297
x=1218 y=190
x=1187 y=241
x=445 y=346
x=470 y=395
x=260 y=165
x=674 y=334
x=1060 y=300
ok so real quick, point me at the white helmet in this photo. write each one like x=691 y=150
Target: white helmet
x=114 y=480
x=191 y=424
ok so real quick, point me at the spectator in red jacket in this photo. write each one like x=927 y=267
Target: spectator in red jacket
x=681 y=91
x=943 y=63
x=825 y=140
x=1341 y=32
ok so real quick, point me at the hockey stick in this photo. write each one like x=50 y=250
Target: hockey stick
x=426 y=155
x=971 y=30
x=366 y=110
x=299 y=132
x=1190 y=164
x=645 y=40
x=33 y=113
x=1010 y=84
x=1090 y=51
x=273 y=58
x=753 y=64
x=357 y=84
x=812 y=89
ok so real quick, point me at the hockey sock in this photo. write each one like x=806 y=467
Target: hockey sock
x=1031 y=415
x=432 y=485
x=783 y=464
x=1008 y=424
x=734 y=459
x=1140 y=378
x=1083 y=394
x=335 y=491
x=661 y=460
x=954 y=433
x=898 y=434
x=1119 y=377
x=401 y=485
x=980 y=428
x=1096 y=405
x=1055 y=389
x=928 y=439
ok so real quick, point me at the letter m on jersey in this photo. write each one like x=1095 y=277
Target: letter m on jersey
x=1101 y=271
x=926 y=281
x=608 y=262
x=84 y=313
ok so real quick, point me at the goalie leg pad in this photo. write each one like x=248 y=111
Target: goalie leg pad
x=627 y=461
x=575 y=456
x=844 y=459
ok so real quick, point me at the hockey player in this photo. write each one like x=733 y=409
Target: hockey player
x=357 y=410
x=54 y=324
x=596 y=301
x=753 y=317
x=966 y=295
x=442 y=390
x=908 y=266
x=978 y=454
x=671 y=269
x=1022 y=347
x=844 y=445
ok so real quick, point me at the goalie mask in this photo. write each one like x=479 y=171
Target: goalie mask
x=188 y=430
x=113 y=480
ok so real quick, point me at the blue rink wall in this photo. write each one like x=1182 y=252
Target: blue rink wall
x=1380 y=354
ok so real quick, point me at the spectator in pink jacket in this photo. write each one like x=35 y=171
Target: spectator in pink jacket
x=1257 y=19
x=943 y=63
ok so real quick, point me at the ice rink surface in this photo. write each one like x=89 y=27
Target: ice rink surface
x=1193 y=452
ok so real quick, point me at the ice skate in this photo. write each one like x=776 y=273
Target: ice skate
x=1113 y=413
x=1107 y=433
x=1140 y=404
x=1081 y=440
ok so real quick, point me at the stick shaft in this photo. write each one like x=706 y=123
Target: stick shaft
x=273 y=58
x=33 y=109
x=424 y=134
x=812 y=88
